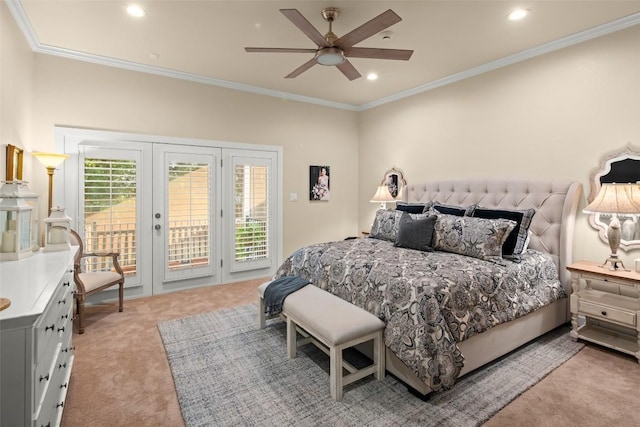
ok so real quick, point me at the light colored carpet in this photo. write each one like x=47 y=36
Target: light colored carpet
x=227 y=372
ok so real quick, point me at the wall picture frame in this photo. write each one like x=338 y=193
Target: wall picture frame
x=14 y=163
x=319 y=183
x=395 y=182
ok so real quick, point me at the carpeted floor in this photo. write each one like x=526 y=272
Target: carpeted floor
x=121 y=375
x=228 y=373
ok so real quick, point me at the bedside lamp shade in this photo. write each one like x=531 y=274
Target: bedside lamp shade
x=50 y=161
x=382 y=196
x=614 y=200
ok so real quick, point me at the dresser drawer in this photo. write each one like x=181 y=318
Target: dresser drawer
x=623 y=317
x=51 y=324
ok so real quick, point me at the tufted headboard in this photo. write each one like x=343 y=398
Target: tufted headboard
x=555 y=202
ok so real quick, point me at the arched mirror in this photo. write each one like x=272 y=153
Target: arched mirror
x=395 y=182
x=621 y=166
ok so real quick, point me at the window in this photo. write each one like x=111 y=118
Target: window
x=188 y=214
x=251 y=210
x=110 y=205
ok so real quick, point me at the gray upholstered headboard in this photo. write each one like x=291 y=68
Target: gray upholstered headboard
x=555 y=202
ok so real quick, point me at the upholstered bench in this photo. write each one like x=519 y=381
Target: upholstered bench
x=333 y=325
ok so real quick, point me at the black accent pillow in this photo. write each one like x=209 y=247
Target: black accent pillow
x=453 y=210
x=414 y=208
x=415 y=233
x=514 y=245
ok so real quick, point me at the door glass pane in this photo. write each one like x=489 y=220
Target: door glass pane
x=188 y=213
x=110 y=206
x=251 y=209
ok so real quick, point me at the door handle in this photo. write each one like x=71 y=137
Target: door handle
x=157 y=227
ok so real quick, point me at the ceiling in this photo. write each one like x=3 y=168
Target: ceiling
x=204 y=40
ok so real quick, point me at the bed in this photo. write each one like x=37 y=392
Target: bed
x=452 y=307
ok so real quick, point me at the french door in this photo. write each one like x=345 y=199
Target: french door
x=186 y=186
x=181 y=215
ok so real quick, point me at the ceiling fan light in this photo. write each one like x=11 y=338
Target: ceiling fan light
x=330 y=56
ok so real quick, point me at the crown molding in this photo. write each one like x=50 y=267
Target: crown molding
x=21 y=19
x=611 y=27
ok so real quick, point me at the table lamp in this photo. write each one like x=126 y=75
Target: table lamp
x=383 y=196
x=615 y=200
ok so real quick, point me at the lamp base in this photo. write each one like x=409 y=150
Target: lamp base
x=614 y=263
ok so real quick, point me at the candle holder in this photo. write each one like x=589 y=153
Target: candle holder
x=57 y=231
x=15 y=228
x=20 y=189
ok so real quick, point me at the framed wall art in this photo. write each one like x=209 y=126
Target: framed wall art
x=319 y=186
x=14 y=163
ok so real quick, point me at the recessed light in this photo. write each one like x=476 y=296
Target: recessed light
x=135 y=10
x=372 y=76
x=517 y=14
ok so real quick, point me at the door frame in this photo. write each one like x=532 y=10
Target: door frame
x=67 y=140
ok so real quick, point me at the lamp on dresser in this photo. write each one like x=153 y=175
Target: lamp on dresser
x=50 y=161
x=382 y=196
x=615 y=200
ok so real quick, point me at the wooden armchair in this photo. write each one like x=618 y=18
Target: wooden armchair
x=88 y=283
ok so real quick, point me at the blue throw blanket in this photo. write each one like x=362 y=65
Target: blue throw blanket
x=278 y=290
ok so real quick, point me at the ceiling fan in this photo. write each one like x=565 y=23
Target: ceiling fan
x=334 y=50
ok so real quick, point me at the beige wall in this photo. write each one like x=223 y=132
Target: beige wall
x=550 y=116
x=16 y=87
x=79 y=94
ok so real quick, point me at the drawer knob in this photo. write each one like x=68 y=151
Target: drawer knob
x=46 y=328
x=604 y=313
x=60 y=405
x=65 y=284
x=63 y=385
x=48 y=424
x=61 y=329
x=66 y=316
x=62 y=365
x=44 y=377
x=62 y=301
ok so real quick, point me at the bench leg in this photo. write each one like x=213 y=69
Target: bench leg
x=261 y=315
x=335 y=373
x=292 y=345
x=379 y=356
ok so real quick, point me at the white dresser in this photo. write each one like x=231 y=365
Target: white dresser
x=36 y=353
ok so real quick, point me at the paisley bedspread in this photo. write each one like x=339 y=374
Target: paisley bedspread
x=430 y=301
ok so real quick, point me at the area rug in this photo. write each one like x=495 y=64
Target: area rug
x=227 y=372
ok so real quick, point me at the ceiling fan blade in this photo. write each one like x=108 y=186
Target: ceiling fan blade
x=375 y=53
x=278 y=50
x=305 y=26
x=366 y=30
x=301 y=69
x=348 y=70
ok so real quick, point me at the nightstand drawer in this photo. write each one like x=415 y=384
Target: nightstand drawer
x=611 y=314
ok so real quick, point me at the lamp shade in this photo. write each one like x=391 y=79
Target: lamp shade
x=382 y=195
x=616 y=199
x=50 y=160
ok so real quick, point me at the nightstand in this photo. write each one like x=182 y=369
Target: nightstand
x=609 y=302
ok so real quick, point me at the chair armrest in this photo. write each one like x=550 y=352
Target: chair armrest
x=101 y=254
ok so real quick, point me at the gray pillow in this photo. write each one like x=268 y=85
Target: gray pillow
x=514 y=245
x=385 y=225
x=415 y=233
x=476 y=237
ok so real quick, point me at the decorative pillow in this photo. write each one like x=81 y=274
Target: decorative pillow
x=514 y=245
x=385 y=225
x=414 y=208
x=415 y=233
x=452 y=210
x=526 y=242
x=476 y=237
